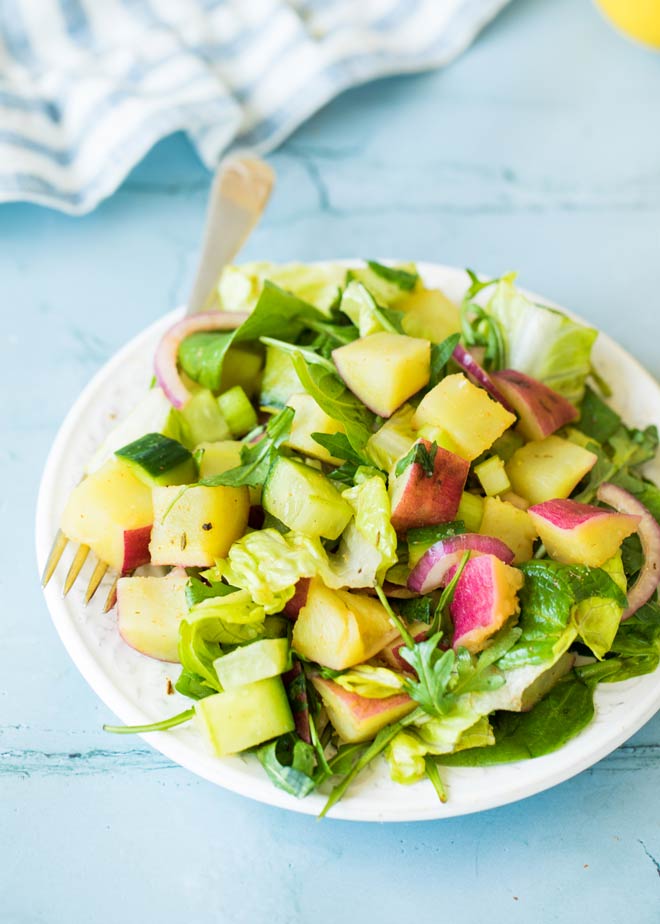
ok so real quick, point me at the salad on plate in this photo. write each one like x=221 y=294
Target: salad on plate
x=370 y=523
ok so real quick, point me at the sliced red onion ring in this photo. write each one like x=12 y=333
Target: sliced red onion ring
x=432 y=569
x=167 y=352
x=649 y=535
x=479 y=376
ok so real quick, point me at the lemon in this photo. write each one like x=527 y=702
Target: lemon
x=640 y=19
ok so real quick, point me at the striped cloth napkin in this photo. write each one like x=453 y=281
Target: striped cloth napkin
x=87 y=87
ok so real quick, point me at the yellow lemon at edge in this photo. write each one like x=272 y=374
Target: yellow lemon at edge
x=640 y=19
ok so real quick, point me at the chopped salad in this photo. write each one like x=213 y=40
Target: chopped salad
x=383 y=524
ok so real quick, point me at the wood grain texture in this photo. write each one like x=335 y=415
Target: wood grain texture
x=537 y=150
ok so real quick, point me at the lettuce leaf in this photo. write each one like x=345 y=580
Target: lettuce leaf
x=358 y=304
x=368 y=544
x=542 y=342
x=370 y=682
x=597 y=619
x=239 y=287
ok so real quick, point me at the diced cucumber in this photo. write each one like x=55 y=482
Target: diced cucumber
x=267 y=657
x=280 y=379
x=492 y=475
x=158 y=460
x=202 y=420
x=471 y=511
x=305 y=500
x=153 y=414
x=237 y=410
x=238 y=719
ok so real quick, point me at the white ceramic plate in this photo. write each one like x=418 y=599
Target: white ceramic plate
x=134 y=686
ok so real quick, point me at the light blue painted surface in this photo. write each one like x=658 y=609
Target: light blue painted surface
x=538 y=150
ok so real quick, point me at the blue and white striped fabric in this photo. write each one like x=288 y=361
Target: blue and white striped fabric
x=88 y=86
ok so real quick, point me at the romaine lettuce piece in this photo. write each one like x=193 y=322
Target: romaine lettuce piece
x=542 y=342
x=368 y=545
x=239 y=287
x=597 y=618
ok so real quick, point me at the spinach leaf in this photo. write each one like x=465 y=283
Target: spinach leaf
x=257 y=458
x=558 y=717
x=547 y=597
x=197 y=655
x=597 y=419
x=277 y=314
x=336 y=400
x=340 y=447
x=419 y=455
x=289 y=762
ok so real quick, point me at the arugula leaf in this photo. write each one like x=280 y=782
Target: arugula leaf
x=434 y=670
x=419 y=455
x=339 y=446
x=201 y=356
x=441 y=353
x=257 y=458
x=198 y=590
x=197 y=655
x=402 y=278
x=547 y=598
x=163 y=725
x=291 y=348
x=336 y=400
x=358 y=304
x=289 y=762
x=558 y=717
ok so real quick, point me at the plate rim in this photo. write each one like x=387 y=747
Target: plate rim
x=169 y=744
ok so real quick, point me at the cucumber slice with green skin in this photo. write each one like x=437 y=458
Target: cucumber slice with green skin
x=267 y=657
x=280 y=379
x=305 y=500
x=237 y=410
x=159 y=460
x=238 y=719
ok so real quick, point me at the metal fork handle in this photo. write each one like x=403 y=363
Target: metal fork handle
x=241 y=188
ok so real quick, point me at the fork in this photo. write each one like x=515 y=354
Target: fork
x=239 y=194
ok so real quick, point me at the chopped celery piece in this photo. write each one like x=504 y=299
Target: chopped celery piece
x=470 y=511
x=237 y=410
x=492 y=475
x=202 y=420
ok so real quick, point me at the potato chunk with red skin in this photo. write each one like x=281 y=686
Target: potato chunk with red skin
x=540 y=409
x=485 y=597
x=575 y=533
x=358 y=718
x=421 y=499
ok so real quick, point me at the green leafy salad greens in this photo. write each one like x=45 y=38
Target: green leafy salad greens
x=308 y=624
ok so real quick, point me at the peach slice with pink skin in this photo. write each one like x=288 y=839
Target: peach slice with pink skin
x=485 y=597
x=293 y=606
x=575 y=533
x=391 y=654
x=421 y=499
x=540 y=409
x=358 y=718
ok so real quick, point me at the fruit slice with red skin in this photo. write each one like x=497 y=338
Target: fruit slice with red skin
x=391 y=654
x=149 y=611
x=383 y=370
x=358 y=718
x=436 y=566
x=575 y=533
x=420 y=499
x=111 y=511
x=484 y=599
x=296 y=691
x=338 y=629
x=540 y=409
x=293 y=606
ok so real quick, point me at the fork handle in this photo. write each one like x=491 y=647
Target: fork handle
x=241 y=188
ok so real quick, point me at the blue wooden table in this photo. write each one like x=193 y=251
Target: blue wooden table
x=538 y=150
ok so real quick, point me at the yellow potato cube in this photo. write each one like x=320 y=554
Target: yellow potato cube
x=193 y=527
x=338 y=629
x=547 y=469
x=430 y=314
x=513 y=526
x=310 y=418
x=473 y=420
x=383 y=370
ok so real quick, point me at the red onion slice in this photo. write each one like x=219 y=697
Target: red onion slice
x=432 y=569
x=479 y=376
x=649 y=535
x=167 y=352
